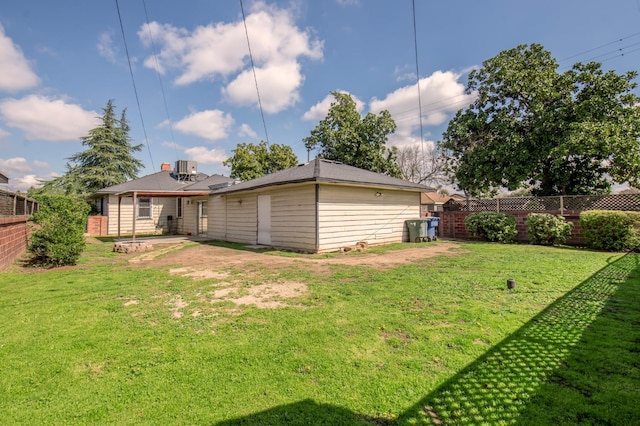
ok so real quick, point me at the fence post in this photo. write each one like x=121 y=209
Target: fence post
x=562 y=205
x=498 y=205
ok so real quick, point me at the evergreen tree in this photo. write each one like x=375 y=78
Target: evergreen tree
x=108 y=159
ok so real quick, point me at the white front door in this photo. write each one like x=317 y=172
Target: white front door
x=264 y=219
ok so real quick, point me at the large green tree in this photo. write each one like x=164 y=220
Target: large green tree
x=250 y=161
x=107 y=160
x=344 y=136
x=533 y=126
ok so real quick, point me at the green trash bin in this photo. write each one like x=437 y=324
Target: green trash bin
x=417 y=230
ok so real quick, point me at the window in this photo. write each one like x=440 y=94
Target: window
x=144 y=208
x=179 y=207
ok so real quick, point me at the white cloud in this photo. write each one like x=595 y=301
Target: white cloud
x=246 y=131
x=220 y=51
x=19 y=170
x=106 y=48
x=3 y=133
x=204 y=155
x=47 y=119
x=345 y=3
x=279 y=92
x=441 y=94
x=209 y=124
x=16 y=72
x=404 y=73
x=15 y=165
x=320 y=110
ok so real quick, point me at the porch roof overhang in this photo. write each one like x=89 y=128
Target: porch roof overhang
x=164 y=193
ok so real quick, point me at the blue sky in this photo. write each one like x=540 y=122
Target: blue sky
x=61 y=61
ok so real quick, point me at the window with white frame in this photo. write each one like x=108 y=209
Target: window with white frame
x=144 y=208
x=179 y=207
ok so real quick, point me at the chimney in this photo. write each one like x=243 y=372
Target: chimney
x=165 y=167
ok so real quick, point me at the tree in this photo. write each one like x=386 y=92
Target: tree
x=343 y=135
x=251 y=161
x=108 y=159
x=420 y=165
x=531 y=126
x=58 y=238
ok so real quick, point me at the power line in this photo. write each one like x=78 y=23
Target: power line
x=253 y=68
x=135 y=90
x=157 y=67
x=415 y=45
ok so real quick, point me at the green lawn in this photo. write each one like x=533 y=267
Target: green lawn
x=440 y=340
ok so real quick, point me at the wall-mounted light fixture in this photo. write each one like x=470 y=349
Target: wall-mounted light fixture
x=240 y=201
x=378 y=194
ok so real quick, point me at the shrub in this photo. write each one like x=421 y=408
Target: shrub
x=611 y=230
x=58 y=238
x=547 y=230
x=491 y=226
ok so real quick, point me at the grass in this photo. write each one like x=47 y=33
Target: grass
x=439 y=340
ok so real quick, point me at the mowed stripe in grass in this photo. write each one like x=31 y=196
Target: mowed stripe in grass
x=99 y=343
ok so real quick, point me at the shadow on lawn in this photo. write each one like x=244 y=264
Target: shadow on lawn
x=514 y=382
x=306 y=412
x=536 y=375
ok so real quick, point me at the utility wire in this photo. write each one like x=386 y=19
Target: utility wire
x=255 y=77
x=135 y=90
x=415 y=44
x=157 y=67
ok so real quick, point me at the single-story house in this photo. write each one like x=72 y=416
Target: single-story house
x=169 y=201
x=317 y=207
x=432 y=202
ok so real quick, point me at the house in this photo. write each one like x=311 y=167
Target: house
x=432 y=202
x=3 y=178
x=169 y=201
x=317 y=207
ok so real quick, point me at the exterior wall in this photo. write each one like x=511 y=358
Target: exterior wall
x=242 y=218
x=190 y=215
x=293 y=218
x=162 y=207
x=451 y=225
x=14 y=238
x=348 y=215
x=234 y=217
x=217 y=227
x=97 y=225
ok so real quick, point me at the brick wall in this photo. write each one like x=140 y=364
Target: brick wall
x=451 y=225
x=14 y=238
x=97 y=225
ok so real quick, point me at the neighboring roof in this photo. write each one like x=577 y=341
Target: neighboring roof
x=3 y=178
x=323 y=171
x=163 y=182
x=433 y=198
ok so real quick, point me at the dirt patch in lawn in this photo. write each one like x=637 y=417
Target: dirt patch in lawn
x=206 y=261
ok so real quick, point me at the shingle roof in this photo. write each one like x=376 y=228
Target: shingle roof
x=324 y=171
x=3 y=178
x=212 y=180
x=164 y=181
x=433 y=197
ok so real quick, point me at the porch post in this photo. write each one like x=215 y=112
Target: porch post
x=135 y=203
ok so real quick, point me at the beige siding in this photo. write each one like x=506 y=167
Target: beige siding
x=217 y=218
x=161 y=209
x=190 y=215
x=242 y=218
x=348 y=215
x=293 y=218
